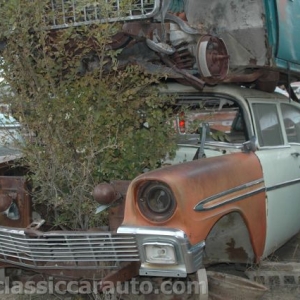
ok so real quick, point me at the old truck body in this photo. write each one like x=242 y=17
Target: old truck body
x=252 y=42
x=237 y=202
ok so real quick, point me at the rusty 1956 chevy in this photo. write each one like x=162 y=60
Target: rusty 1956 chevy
x=232 y=201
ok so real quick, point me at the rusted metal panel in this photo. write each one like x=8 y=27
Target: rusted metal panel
x=116 y=215
x=16 y=189
x=121 y=186
x=127 y=272
x=107 y=193
x=112 y=195
x=239 y=23
x=233 y=183
x=229 y=241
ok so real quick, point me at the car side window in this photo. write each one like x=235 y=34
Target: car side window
x=291 y=119
x=267 y=124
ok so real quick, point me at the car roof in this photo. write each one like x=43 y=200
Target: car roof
x=226 y=89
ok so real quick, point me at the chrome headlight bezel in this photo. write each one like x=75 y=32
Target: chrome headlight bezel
x=156 y=201
x=160 y=253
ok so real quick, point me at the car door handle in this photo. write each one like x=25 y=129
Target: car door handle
x=295 y=154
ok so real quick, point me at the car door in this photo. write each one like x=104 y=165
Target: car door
x=279 y=154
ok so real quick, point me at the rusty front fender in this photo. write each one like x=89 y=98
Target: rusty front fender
x=205 y=191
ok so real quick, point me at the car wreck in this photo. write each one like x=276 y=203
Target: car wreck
x=217 y=201
x=234 y=41
x=230 y=193
x=249 y=42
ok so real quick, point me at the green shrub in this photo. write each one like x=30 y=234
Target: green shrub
x=82 y=129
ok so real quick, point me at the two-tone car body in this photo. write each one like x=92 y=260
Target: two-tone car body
x=233 y=201
x=239 y=203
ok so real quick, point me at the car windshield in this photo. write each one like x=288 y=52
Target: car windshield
x=224 y=117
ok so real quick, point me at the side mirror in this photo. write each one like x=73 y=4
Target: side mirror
x=251 y=145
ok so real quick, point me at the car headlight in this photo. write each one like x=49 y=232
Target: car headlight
x=156 y=201
x=160 y=253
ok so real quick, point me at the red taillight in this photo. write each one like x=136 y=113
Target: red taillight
x=182 y=123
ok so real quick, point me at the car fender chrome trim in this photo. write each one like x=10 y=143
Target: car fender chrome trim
x=220 y=199
x=282 y=184
x=147 y=230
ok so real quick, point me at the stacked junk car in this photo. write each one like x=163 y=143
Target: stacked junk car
x=218 y=200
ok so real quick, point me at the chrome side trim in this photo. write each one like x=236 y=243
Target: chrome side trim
x=200 y=205
x=261 y=148
x=133 y=230
x=237 y=146
x=282 y=184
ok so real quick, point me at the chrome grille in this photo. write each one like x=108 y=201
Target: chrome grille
x=86 y=250
x=66 y=13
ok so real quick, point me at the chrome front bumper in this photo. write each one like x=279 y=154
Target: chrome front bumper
x=95 y=250
x=189 y=258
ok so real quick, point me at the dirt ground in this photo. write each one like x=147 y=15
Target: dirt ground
x=290 y=252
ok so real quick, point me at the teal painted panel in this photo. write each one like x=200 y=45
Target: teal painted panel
x=288 y=44
x=271 y=24
x=284 y=64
